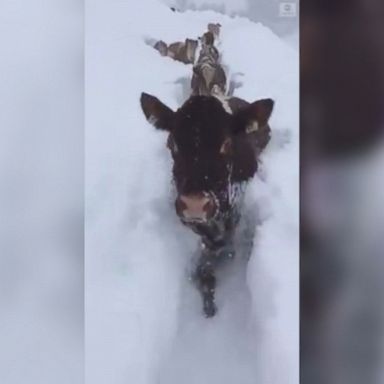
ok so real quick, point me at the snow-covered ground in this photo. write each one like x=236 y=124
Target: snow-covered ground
x=269 y=12
x=143 y=317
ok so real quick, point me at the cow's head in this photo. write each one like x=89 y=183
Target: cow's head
x=201 y=138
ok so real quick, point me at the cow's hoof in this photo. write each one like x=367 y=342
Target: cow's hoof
x=210 y=308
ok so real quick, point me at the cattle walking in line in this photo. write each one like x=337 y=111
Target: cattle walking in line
x=215 y=146
x=208 y=75
x=186 y=51
x=179 y=51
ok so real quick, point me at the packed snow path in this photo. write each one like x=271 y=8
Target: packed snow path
x=143 y=317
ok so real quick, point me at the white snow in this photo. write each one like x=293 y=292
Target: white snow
x=143 y=317
x=228 y=7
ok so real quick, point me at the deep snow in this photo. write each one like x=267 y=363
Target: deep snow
x=143 y=317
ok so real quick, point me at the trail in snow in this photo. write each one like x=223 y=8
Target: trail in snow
x=223 y=349
x=144 y=322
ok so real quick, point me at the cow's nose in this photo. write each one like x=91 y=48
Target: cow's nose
x=196 y=207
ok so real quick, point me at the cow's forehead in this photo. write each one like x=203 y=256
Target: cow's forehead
x=202 y=105
x=202 y=116
x=202 y=132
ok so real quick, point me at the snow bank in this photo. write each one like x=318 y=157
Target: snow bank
x=143 y=319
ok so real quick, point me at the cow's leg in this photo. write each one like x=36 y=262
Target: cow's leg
x=217 y=247
x=206 y=281
x=213 y=254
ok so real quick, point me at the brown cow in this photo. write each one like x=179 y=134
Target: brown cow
x=208 y=75
x=215 y=154
x=215 y=142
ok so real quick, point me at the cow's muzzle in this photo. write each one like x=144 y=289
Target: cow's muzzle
x=199 y=207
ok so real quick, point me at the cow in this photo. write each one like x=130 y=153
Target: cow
x=208 y=77
x=215 y=154
x=186 y=51
x=179 y=51
x=215 y=142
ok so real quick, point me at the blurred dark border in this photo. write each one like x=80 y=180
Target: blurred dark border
x=342 y=121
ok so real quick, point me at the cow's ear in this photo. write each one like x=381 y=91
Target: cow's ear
x=157 y=113
x=252 y=117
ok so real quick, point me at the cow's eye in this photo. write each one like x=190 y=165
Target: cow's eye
x=226 y=147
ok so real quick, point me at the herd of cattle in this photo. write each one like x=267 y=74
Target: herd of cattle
x=215 y=141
